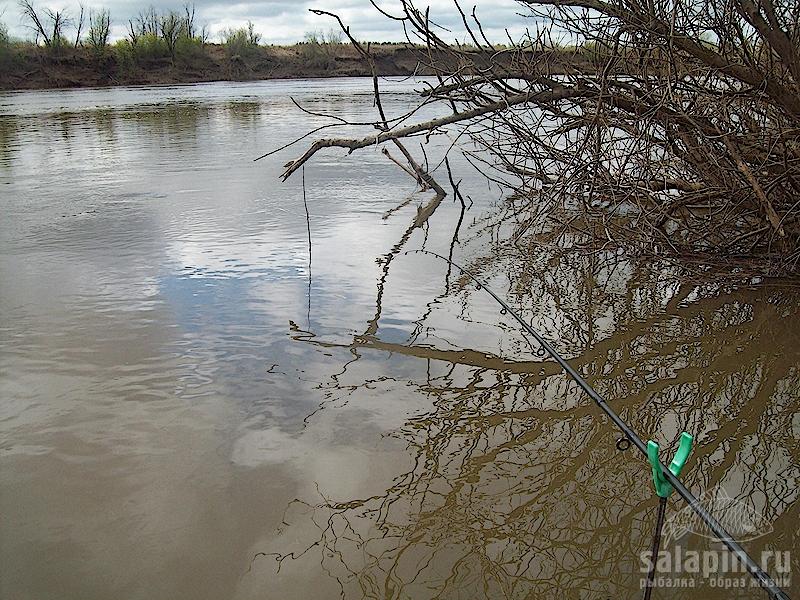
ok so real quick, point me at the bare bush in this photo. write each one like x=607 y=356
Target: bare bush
x=148 y=21
x=253 y=37
x=241 y=42
x=154 y=36
x=99 y=30
x=171 y=28
x=5 y=45
x=666 y=127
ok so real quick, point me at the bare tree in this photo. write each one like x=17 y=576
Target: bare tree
x=58 y=21
x=147 y=23
x=80 y=25
x=667 y=128
x=133 y=33
x=36 y=23
x=204 y=34
x=99 y=30
x=188 y=19
x=171 y=27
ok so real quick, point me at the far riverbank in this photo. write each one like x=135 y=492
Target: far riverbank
x=25 y=66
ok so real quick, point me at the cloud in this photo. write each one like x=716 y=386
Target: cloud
x=286 y=21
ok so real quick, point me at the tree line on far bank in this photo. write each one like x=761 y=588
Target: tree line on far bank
x=151 y=36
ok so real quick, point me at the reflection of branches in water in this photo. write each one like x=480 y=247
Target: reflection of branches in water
x=515 y=489
x=463 y=517
x=423 y=214
x=420 y=323
x=308 y=227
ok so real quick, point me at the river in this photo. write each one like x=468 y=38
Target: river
x=192 y=406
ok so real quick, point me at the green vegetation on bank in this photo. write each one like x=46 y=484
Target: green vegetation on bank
x=6 y=48
x=75 y=49
x=26 y=65
x=151 y=36
x=158 y=47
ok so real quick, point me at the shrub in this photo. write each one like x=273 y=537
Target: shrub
x=189 y=49
x=241 y=42
x=125 y=54
x=326 y=40
x=5 y=44
x=99 y=30
x=172 y=29
x=150 y=47
x=60 y=43
x=253 y=38
x=318 y=49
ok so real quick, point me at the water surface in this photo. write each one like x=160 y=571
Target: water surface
x=188 y=409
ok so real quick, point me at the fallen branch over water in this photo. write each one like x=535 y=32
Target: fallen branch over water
x=666 y=143
x=430 y=126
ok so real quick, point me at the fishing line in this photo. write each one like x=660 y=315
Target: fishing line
x=761 y=576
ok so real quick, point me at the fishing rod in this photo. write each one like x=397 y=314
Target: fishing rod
x=763 y=578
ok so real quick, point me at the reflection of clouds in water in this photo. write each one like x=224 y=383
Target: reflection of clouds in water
x=152 y=294
x=224 y=259
x=528 y=498
x=256 y=447
x=152 y=352
x=336 y=452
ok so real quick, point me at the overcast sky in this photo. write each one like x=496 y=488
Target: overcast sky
x=285 y=21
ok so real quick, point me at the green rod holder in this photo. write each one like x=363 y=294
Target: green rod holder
x=664 y=487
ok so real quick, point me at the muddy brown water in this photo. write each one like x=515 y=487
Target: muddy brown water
x=185 y=413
